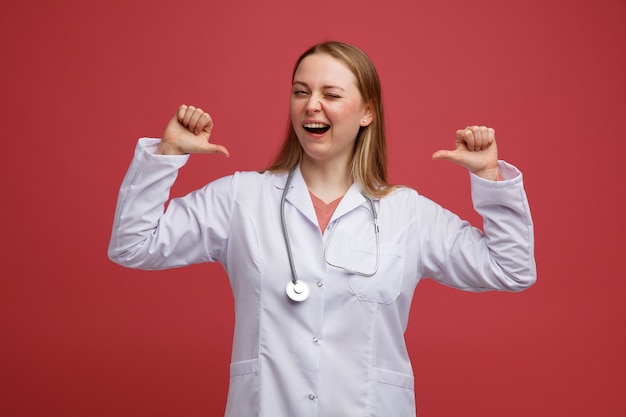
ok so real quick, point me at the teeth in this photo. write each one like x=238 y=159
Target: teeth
x=315 y=125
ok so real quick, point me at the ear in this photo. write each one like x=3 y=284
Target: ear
x=368 y=115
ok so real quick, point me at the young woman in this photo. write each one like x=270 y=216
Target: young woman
x=322 y=253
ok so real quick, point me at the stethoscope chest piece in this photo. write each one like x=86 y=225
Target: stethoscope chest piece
x=298 y=291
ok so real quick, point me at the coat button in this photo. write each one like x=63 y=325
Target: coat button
x=312 y=397
x=316 y=339
x=320 y=284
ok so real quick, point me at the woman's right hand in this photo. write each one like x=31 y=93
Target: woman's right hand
x=189 y=132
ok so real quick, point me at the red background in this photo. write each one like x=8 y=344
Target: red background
x=82 y=80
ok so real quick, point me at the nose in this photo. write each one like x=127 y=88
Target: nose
x=313 y=105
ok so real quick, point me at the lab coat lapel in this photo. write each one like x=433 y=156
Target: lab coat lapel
x=351 y=200
x=298 y=194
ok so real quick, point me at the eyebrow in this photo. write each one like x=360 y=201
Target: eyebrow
x=324 y=87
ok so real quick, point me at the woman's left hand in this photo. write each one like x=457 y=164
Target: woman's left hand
x=476 y=150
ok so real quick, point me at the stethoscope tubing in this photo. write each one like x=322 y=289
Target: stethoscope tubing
x=294 y=275
x=376 y=230
x=298 y=290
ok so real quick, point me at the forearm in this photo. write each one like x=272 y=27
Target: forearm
x=508 y=226
x=143 y=194
x=462 y=256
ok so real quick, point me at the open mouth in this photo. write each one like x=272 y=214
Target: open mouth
x=316 y=127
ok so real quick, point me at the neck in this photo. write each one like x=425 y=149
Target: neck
x=327 y=182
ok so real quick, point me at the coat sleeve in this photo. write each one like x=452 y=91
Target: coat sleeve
x=461 y=256
x=193 y=229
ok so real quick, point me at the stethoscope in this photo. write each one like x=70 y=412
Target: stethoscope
x=298 y=290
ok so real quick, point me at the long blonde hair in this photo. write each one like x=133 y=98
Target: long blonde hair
x=369 y=161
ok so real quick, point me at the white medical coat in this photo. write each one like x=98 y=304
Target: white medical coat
x=341 y=353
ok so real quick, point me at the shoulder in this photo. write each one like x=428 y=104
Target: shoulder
x=254 y=180
x=400 y=203
x=399 y=195
x=409 y=202
x=248 y=186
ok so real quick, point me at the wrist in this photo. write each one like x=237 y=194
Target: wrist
x=491 y=174
x=165 y=148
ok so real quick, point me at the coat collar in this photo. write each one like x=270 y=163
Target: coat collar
x=298 y=196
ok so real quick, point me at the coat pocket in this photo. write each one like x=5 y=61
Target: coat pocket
x=391 y=394
x=243 y=391
x=384 y=286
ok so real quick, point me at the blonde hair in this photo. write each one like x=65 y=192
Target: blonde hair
x=369 y=161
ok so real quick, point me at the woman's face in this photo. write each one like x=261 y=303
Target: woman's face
x=327 y=109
